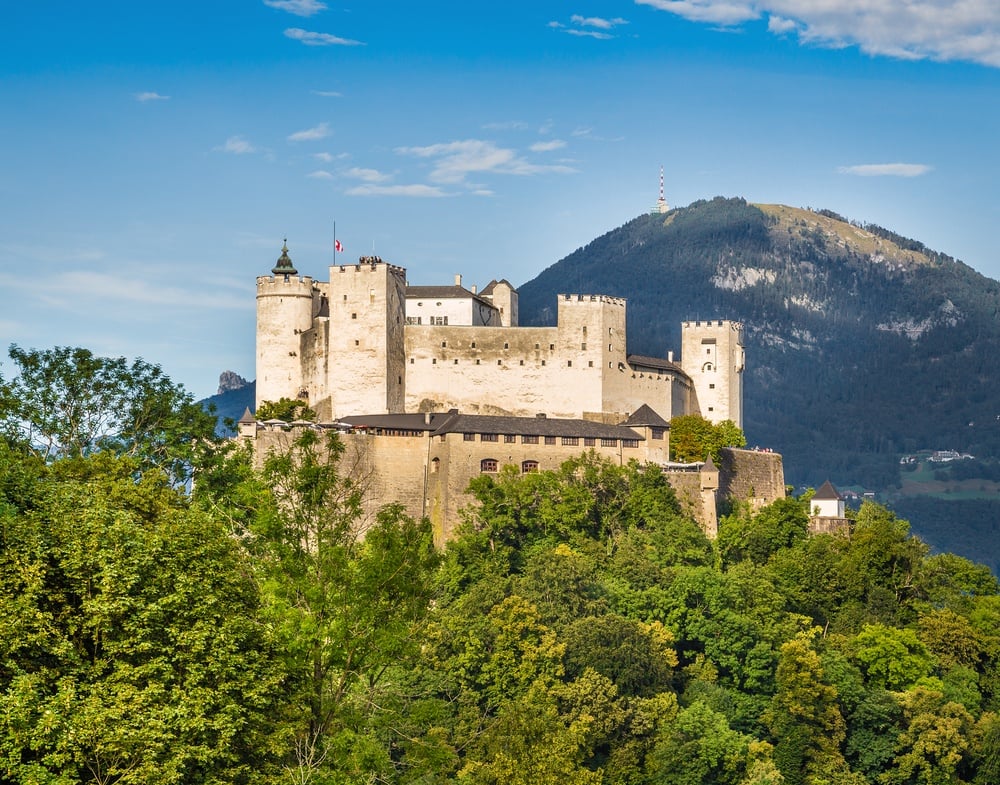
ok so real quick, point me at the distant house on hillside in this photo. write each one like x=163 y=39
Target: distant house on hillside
x=827 y=512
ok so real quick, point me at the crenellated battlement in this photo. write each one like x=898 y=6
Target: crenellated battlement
x=592 y=298
x=369 y=264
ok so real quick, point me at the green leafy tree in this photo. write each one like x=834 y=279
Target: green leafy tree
x=348 y=603
x=66 y=402
x=891 y=658
x=934 y=742
x=759 y=536
x=692 y=437
x=132 y=648
x=286 y=409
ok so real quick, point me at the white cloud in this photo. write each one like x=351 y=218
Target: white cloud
x=883 y=170
x=320 y=174
x=297 y=7
x=454 y=160
x=544 y=147
x=324 y=157
x=367 y=175
x=236 y=145
x=965 y=30
x=589 y=26
x=596 y=21
x=150 y=96
x=416 y=190
x=310 y=38
x=320 y=131
x=326 y=93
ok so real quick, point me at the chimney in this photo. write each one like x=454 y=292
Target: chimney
x=427 y=418
x=670 y=356
x=474 y=289
x=458 y=280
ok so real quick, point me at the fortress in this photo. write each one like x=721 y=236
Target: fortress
x=434 y=384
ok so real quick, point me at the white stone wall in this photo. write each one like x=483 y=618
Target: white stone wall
x=712 y=355
x=284 y=312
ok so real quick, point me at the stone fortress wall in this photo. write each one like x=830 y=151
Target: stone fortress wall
x=352 y=348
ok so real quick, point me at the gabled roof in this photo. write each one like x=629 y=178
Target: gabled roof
x=645 y=416
x=709 y=465
x=488 y=289
x=654 y=363
x=827 y=491
x=247 y=418
x=445 y=293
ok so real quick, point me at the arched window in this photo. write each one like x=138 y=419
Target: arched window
x=529 y=466
x=489 y=465
x=706 y=367
x=435 y=465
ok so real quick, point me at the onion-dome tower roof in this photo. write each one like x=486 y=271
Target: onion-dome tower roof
x=284 y=264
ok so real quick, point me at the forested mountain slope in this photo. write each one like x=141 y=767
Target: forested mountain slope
x=861 y=345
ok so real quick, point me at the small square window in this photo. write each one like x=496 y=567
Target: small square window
x=411 y=361
x=354 y=316
x=590 y=364
x=521 y=362
x=543 y=362
x=473 y=344
x=583 y=347
x=477 y=361
x=552 y=347
x=506 y=346
x=550 y=439
x=357 y=343
x=569 y=363
x=509 y=438
x=434 y=361
x=711 y=387
x=499 y=362
x=444 y=344
x=456 y=361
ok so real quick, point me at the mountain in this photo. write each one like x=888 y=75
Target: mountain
x=234 y=396
x=862 y=346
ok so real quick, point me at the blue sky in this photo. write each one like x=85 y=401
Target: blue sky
x=153 y=155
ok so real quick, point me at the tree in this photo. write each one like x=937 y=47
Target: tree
x=132 y=646
x=65 y=402
x=347 y=602
x=759 y=536
x=692 y=437
x=285 y=409
x=891 y=658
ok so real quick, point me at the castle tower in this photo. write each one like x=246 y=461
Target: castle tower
x=712 y=355
x=284 y=312
x=366 y=370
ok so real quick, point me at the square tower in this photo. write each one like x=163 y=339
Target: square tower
x=712 y=355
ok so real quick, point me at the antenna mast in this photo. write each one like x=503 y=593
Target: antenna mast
x=661 y=205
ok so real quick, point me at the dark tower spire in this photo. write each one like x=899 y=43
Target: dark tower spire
x=284 y=264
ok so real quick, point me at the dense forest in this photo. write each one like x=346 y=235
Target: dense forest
x=172 y=612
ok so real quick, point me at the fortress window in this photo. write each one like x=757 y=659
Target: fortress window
x=552 y=347
x=489 y=465
x=609 y=442
x=588 y=441
x=434 y=361
x=711 y=387
x=529 y=439
x=550 y=439
x=411 y=361
x=633 y=443
x=477 y=361
x=538 y=346
x=584 y=329
x=583 y=347
x=569 y=363
x=506 y=346
x=543 y=362
x=354 y=316
x=435 y=465
x=590 y=364
x=444 y=344
x=509 y=438
x=499 y=362
x=656 y=433
x=473 y=345
x=345 y=298
x=521 y=362
x=711 y=408
x=529 y=466
x=468 y=437
x=456 y=361
x=570 y=441
x=708 y=351
x=610 y=347
x=489 y=437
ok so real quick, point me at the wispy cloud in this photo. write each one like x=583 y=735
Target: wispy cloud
x=297 y=7
x=236 y=145
x=506 y=125
x=886 y=170
x=320 y=174
x=544 y=147
x=150 y=96
x=453 y=161
x=964 y=30
x=416 y=190
x=310 y=38
x=320 y=131
x=327 y=93
x=368 y=175
x=589 y=26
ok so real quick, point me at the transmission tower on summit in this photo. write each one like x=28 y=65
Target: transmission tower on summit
x=661 y=205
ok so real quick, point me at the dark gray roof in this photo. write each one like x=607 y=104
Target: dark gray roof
x=401 y=422
x=827 y=491
x=534 y=426
x=488 y=289
x=644 y=415
x=246 y=418
x=656 y=363
x=445 y=292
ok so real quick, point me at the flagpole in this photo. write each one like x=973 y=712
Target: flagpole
x=335 y=243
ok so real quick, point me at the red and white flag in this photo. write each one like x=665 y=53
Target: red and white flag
x=338 y=246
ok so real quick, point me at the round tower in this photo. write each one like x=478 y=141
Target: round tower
x=284 y=313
